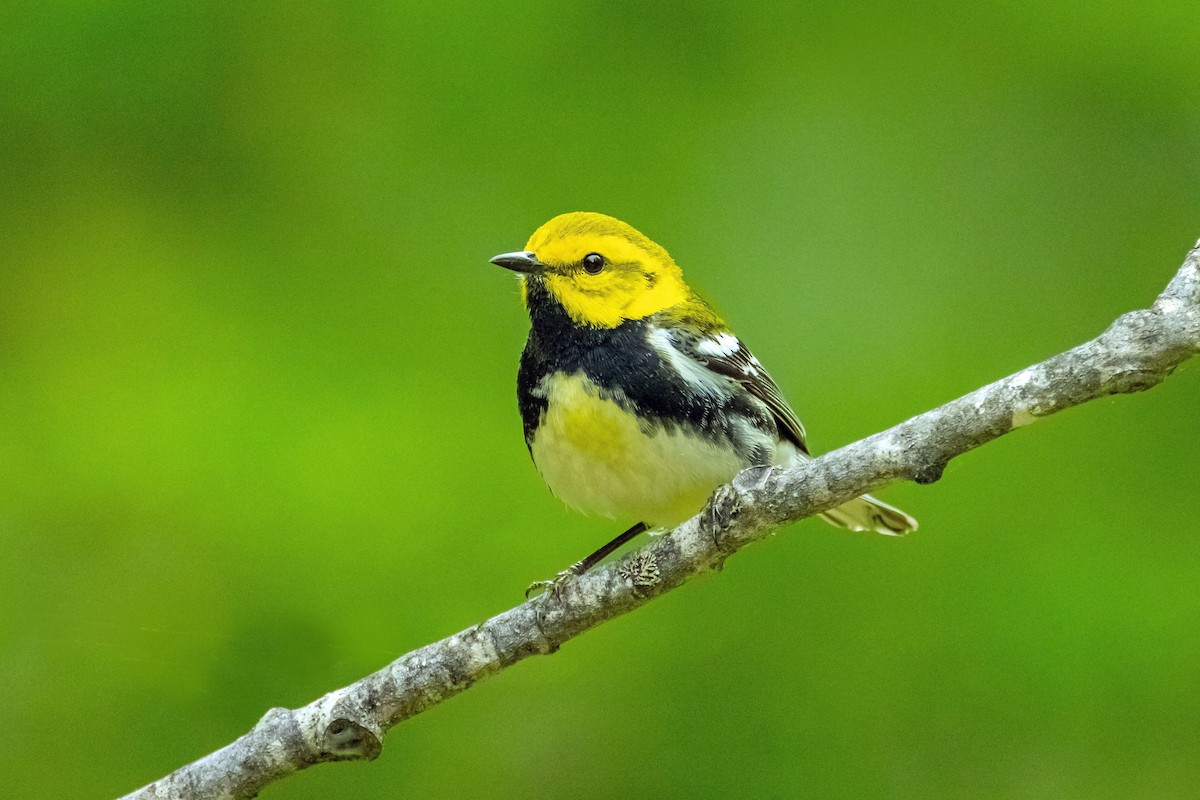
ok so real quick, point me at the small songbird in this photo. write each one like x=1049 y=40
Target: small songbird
x=638 y=401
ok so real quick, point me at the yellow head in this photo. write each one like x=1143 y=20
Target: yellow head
x=599 y=269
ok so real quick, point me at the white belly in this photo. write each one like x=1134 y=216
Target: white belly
x=597 y=459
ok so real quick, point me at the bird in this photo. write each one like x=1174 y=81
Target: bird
x=637 y=400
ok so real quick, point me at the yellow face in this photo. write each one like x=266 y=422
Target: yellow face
x=603 y=271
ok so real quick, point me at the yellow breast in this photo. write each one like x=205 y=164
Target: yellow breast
x=597 y=458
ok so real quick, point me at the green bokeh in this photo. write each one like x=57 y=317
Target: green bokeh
x=258 y=433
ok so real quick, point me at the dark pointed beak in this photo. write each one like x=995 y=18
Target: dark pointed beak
x=520 y=261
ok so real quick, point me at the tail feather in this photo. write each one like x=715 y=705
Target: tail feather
x=869 y=514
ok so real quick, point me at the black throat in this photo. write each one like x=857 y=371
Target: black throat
x=571 y=347
x=624 y=365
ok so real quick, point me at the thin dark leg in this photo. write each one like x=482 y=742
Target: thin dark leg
x=580 y=567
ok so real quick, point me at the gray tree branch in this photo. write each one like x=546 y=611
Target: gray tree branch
x=1136 y=352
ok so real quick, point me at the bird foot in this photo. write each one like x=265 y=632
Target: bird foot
x=555 y=585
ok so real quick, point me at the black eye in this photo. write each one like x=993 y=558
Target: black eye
x=593 y=263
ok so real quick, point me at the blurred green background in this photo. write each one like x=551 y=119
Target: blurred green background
x=258 y=432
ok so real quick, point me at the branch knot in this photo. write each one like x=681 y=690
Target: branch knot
x=346 y=740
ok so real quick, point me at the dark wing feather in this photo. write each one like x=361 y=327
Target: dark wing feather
x=725 y=355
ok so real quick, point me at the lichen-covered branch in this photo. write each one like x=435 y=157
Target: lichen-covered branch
x=1136 y=352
